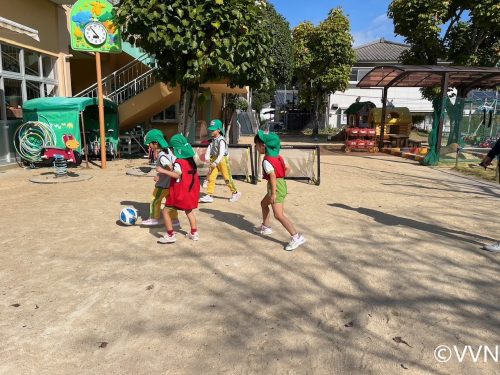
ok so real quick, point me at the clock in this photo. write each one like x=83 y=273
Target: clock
x=95 y=33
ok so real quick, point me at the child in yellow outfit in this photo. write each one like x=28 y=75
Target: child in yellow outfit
x=166 y=159
x=217 y=153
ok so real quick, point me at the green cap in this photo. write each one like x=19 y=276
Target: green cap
x=155 y=135
x=216 y=125
x=182 y=148
x=272 y=142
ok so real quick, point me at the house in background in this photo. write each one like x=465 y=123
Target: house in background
x=368 y=56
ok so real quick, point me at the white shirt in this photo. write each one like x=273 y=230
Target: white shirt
x=177 y=169
x=166 y=160
x=268 y=167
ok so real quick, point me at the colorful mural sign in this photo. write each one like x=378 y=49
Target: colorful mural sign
x=93 y=27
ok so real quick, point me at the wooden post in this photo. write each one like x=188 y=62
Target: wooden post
x=85 y=147
x=382 y=119
x=444 y=97
x=101 y=110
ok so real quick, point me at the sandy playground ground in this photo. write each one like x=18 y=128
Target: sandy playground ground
x=392 y=269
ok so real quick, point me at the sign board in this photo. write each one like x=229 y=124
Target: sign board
x=94 y=28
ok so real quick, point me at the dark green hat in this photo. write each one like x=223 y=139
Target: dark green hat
x=155 y=135
x=216 y=125
x=182 y=148
x=272 y=142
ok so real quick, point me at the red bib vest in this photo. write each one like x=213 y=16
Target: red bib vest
x=184 y=194
x=278 y=164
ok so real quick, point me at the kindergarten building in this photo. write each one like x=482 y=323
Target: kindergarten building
x=37 y=61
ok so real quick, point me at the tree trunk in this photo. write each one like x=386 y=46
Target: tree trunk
x=317 y=100
x=182 y=111
x=193 y=98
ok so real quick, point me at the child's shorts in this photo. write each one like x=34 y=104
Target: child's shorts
x=281 y=190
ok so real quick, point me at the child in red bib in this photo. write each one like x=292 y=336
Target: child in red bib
x=184 y=187
x=274 y=171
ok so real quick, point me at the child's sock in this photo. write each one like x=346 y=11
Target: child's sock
x=170 y=233
x=296 y=236
x=194 y=230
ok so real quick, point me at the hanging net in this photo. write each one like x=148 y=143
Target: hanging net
x=470 y=128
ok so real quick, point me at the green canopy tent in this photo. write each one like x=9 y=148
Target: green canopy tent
x=70 y=116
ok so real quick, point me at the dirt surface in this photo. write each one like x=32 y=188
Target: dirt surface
x=392 y=268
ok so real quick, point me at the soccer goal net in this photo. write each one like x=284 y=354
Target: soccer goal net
x=304 y=163
x=240 y=158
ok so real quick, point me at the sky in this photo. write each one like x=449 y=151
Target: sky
x=368 y=18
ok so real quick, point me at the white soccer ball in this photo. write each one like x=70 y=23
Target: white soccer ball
x=128 y=216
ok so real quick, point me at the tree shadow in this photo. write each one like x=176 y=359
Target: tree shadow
x=393 y=220
x=238 y=221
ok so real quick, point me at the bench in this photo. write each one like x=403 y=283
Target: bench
x=413 y=143
x=400 y=140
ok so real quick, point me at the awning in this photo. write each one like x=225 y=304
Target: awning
x=6 y=24
x=356 y=107
x=468 y=77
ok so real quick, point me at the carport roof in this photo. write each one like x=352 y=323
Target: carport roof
x=468 y=77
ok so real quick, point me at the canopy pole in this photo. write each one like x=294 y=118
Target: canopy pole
x=444 y=97
x=101 y=110
x=85 y=148
x=382 y=119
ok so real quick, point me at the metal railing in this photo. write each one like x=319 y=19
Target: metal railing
x=134 y=87
x=125 y=82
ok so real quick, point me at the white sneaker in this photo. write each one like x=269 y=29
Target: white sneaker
x=151 y=222
x=194 y=237
x=235 y=197
x=205 y=184
x=295 y=243
x=167 y=239
x=176 y=224
x=263 y=230
x=207 y=199
x=493 y=247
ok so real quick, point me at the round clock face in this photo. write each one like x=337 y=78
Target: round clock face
x=95 y=33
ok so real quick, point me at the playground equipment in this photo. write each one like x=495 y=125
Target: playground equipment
x=397 y=124
x=359 y=134
x=61 y=126
x=67 y=153
x=360 y=139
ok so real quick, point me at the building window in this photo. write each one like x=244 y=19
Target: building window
x=32 y=90
x=354 y=75
x=25 y=75
x=168 y=115
x=362 y=73
x=31 y=63
x=48 y=67
x=49 y=90
x=13 y=98
x=11 y=58
x=357 y=74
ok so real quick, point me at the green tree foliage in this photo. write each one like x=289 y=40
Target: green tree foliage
x=279 y=72
x=462 y=32
x=198 y=41
x=323 y=58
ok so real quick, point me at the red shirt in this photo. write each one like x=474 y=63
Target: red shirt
x=278 y=164
x=185 y=192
